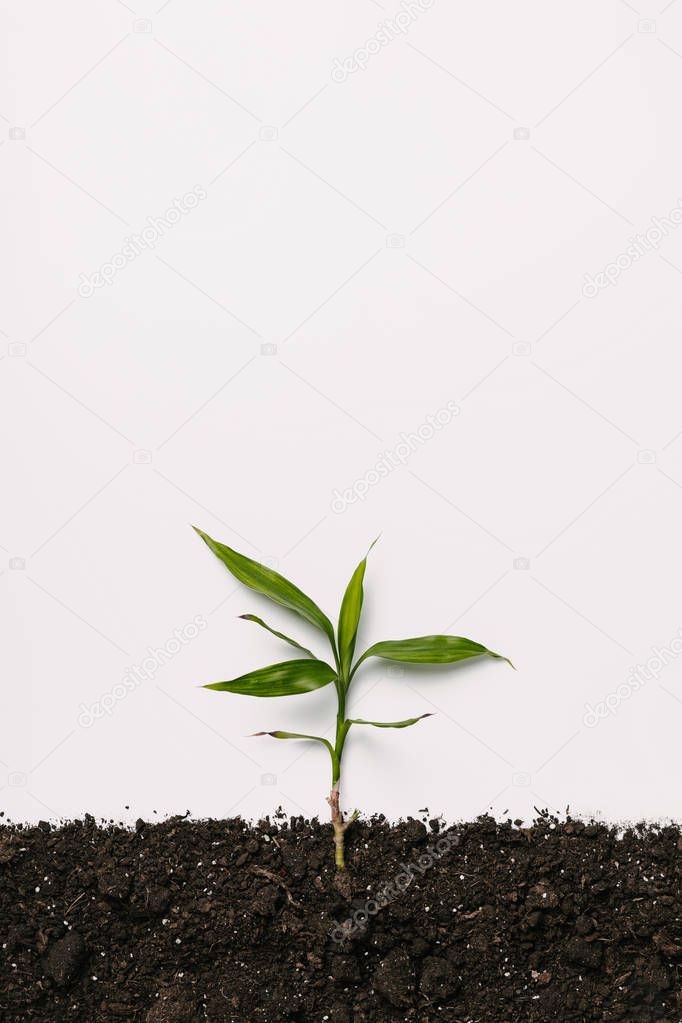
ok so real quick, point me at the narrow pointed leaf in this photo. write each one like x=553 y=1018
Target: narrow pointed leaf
x=270 y=583
x=289 y=678
x=429 y=650
x=297 y=735
x=390 y=724
x=349 y=616
x=280 y=635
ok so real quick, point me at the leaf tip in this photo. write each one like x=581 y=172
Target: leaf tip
x=501 y=657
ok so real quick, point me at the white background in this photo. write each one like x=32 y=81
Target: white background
x=403 y=242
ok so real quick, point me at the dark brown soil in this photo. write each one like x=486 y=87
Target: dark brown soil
x=182 y=922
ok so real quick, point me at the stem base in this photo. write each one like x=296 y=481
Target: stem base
x=339 y=826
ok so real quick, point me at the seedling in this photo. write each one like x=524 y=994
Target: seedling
x=305 y=673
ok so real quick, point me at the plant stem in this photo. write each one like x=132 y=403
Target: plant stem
x=339 y=829
x=338 y=823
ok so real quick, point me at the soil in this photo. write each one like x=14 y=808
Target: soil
x=186 y=921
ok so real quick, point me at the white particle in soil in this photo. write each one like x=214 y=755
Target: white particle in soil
x=177 y=941
x=38 y=888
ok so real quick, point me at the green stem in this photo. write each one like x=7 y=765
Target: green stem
x=342 y=729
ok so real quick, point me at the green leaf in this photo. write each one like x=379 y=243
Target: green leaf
x=315 y=738
x=389 y=724
x=289 y=678
x=271 y=584
x=429 y=650
x=280 y=635
x=297 y=735
x=349 y=616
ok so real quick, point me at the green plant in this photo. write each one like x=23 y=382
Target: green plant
x=306 y=673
